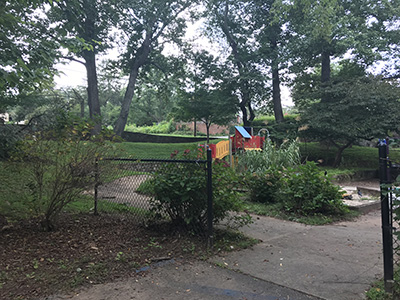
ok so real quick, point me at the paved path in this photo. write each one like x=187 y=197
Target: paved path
x=195 y=281
x=337 y=261
x=293 y=261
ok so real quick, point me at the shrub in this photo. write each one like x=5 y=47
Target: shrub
x=162 y=127
x=180 y=191
x=264 y=186
x=58 y=166
x=264 y=169
x=305 y=191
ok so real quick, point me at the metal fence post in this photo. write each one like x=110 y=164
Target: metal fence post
x=230 y=152
x=210 y=216
x=96 y=185
x=384 y=177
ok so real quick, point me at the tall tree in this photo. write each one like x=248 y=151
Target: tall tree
x=271 y=41
x=155 y=97
x=148 y=26
x=208 y=95
x=329 y=29
x=83 y=28
x=306 y=87
x=232 y=20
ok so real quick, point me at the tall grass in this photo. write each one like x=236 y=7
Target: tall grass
x=286 y=155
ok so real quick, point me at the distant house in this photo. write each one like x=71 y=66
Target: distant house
x=201 y=127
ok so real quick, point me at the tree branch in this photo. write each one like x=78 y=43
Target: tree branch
x=157 y=35
x=392 y=77
x=30 y=121
x=158 y=66
x=74 y=59
x=134 y=16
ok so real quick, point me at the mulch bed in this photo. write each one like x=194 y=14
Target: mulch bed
x=83 y=250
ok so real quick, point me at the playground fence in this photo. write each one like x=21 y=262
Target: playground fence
x=390 y=210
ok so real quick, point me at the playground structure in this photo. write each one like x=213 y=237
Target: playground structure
x=245 y=140
x=241 y=140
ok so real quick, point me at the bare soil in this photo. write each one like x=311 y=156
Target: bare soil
x=373 y=183
x=83 y=250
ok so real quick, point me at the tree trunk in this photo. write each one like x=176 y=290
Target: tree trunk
x=208 y=132
x=276 y=81
x=92 y=90
x=89 y=35
x=240 y=64
x=126 y=103
x=251 y=113
x=338 y=157
x=244 y=113
x=325 y=75
x=46 y=225
x=276 y=95
x=194 y=127
x=140 y=59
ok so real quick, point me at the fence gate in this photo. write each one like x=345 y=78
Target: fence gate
x=390 y=211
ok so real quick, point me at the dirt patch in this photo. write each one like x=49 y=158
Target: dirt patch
x=373 y=183
x=85 y=250
x=123 y=191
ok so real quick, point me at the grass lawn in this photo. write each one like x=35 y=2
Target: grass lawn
x=157 y=150
x=354 y=158
x=86 y=204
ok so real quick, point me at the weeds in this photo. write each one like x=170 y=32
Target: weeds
x=377 y=291
x=120 y=257
x=272 y=156
x=275 y=210
x=232 y=240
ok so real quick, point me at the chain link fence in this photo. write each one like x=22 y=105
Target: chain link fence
x=390 y=210
x=157 y=190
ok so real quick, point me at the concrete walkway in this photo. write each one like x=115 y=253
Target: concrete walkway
x=293 y=261
x=195 y=281
x=337 y=261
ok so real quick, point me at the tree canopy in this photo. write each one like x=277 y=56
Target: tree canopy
x=324 y=30
x=27 y=55
x=325 y=49
x=366 y=107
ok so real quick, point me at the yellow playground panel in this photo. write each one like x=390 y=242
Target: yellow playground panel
x=222 y=149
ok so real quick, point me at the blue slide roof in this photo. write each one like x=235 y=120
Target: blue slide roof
x=243 y=132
